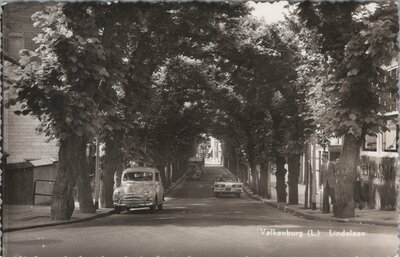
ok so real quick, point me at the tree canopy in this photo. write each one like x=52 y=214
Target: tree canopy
x=149 y=79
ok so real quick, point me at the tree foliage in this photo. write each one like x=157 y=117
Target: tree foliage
x=357 y=52
x=358 y=57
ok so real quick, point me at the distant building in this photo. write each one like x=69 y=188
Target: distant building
x=214 y=155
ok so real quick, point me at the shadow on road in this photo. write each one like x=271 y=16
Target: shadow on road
x=192 y=204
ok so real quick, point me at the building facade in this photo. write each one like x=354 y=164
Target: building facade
x=21 y=141
x=31 y=159
x=378 y=156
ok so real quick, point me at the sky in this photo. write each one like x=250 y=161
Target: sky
x=271 y=12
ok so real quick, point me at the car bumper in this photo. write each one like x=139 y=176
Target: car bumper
x=133 y=203
x=225 y=190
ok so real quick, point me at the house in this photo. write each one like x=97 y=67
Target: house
x=30 y=156
x=378 y=155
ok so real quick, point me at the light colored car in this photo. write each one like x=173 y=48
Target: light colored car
x=140 y=187
x=228 y=185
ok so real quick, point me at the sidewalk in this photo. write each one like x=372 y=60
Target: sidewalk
x=365 y=216
x=20 y=217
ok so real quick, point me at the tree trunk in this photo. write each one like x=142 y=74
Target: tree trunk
x=269 y=180
x=301 y=173
x=346 y=173
x=111 y=164
x=254 y=178
x=293 y=177
x=262 y=186
x=306 y=175
x=175 y=173
x=387 y=191
x=161 y=168
x=62 y=205
x=280 y=178
x=107 y=188
x=168 y=174
x=118 y=178
x=85 y=196
x=237 y=166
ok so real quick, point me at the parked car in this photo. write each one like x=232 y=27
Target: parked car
x=228 y=185
x=193 y=172
x=140 y=187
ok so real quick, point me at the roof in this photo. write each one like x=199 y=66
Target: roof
x=31 y=164
x=147 y=169
x=393 y=65
x=42 y=162
x=195 y=159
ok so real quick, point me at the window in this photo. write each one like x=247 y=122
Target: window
x=14 y=43
x=228 y=179
x=390 y=137
x=138 y=176
x=336 y=141
x=389 y=101
x=370 y=143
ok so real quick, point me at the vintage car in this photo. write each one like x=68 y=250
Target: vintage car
x=140 y=187
x=228 y=185
x=195 y=168
x=193 y=172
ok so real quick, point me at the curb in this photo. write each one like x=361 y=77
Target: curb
x=300 y=214
x=174 y=184
x=100 y=215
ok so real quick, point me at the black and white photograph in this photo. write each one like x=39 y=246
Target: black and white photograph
x=199 y=129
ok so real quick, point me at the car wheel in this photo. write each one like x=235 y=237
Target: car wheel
x=153 y=207
x=238 y=195
x=160 y=206
x=216 y=195
x=117 y=209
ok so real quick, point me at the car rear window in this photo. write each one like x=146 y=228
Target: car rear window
x=227 y=179
x=138 y=176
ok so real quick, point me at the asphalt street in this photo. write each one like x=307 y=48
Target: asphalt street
x=194 y=223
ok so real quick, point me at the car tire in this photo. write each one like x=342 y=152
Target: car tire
x=238 y=195
x=153 y=207
x=216 y=195
x=160 y=207
x=117 y=209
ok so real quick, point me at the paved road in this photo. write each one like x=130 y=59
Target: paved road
x=196 y=224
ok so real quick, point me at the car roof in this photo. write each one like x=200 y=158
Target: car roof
x=143 y=169
x=195 y=159
x=227 y=177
